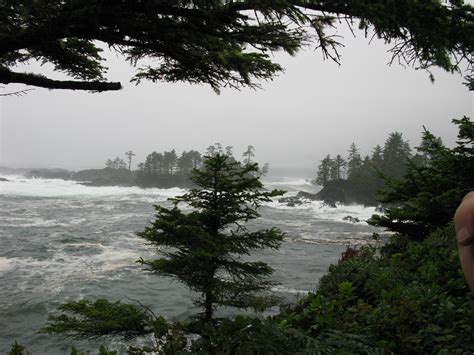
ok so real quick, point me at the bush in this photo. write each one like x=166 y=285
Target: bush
x=411 y=302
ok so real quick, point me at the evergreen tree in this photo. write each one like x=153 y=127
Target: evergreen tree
x=324 y=171
x=212 y=41
x=428 y=145
x=196 y=159
x=396 y=153
x=109 y=164
x=337 y=167
x=377 y=157
x=203 y=249
x=354 y=162
x=157 y=163
x=426 y=196
x=265 y=169
x=170 y=160
x=376 y=169
x=249 y=154
x=212 y=150
x=228 y=151
x=219 y=148
x=184 y=164
x=115 y=164
x=129 y=156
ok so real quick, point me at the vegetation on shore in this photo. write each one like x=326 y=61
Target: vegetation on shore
x=407 y=296
x=161 y=170
x=204 y=249
x=358 y=179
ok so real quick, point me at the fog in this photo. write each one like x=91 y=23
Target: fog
x=315 y=108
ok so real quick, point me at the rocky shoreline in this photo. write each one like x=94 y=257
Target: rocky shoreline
x=331 y=195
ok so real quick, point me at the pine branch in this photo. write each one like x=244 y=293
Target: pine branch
x=8 y=77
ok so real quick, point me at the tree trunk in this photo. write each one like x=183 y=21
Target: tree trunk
x=208 y=309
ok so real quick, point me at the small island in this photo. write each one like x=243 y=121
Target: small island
x=159 y=170
x=357 y=180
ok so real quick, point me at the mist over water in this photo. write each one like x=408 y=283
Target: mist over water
x=62 y=241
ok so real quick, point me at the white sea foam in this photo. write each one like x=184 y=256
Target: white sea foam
x=32 y=222
x=5 y=264
x=294 y=291
x=69 y=266
x=21 y=186
x=321 y=211
x=326 y=241
x=338 y=214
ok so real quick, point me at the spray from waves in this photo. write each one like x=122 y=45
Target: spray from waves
x=319 y=210
x=38 y=187
x=5 y=264
x=21 y=186
x=72 y=262
x=287 y=290
x=353 y=241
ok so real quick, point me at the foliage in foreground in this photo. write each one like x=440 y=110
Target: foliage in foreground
x=426 y=197
x=214 y=42
x=411 y=299
x=86 y=318
x=408 y=297
x=203 y=249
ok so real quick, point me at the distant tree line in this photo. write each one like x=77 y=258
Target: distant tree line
x=115 y=164
x=169 y=169
x=361 y=177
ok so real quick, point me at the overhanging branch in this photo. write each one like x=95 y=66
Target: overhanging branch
x=9 y=77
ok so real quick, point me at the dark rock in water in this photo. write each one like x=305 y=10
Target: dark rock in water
x=3 y=179
x=351 y=219
x=98 y=182
x=105 y=177
x=330 y=203
x=345 y=192
x=301 y=197
x=291 y=201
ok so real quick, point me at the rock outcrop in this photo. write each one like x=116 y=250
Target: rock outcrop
x=335 y=191
x=105 y=177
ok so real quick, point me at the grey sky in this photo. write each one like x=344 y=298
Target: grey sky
x=316 y=107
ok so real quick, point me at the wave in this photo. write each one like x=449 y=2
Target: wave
x=282 y=289
x=5 y=264
x=321 y=211
x=34 y=187
x=38 y=187
x=336 y=241
x=72 y=262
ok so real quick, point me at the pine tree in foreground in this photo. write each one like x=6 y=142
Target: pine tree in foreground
x=205 y=249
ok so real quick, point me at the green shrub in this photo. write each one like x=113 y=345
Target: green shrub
x=410 y=299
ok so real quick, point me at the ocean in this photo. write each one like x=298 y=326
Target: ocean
x=62 y=241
